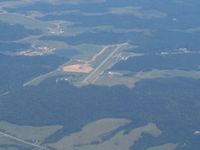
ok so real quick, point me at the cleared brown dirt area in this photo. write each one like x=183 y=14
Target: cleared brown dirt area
x=78 y=68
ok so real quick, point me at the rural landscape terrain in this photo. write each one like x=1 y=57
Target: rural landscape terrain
x=99 y=75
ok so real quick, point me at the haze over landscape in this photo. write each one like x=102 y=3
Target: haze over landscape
x=99 y=75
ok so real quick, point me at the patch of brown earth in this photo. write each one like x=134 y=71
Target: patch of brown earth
x=78 y=68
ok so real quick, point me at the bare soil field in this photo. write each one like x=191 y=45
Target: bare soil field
x=78 y=68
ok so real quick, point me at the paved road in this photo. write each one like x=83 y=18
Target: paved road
x=22 y=141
